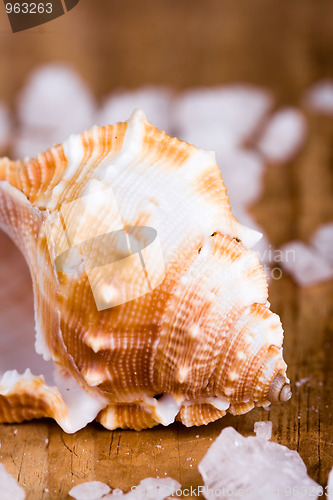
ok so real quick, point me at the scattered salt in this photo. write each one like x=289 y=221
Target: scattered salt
x=319 y=97
x=322 y=240
x=242 y=172
x=253 y=468
x=263 y=430
x=284 y=135
x=154 y=100
x=235 y=112
x=154 y=489
x=148 y=489
x=302 y=381
x=117 y=492
x=9 y=488
x=54 y=103
x=92 y=490
x=306 y=265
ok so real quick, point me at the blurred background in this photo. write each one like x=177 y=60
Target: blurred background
x=254 y=82
x=245 y=81
x=285 y=45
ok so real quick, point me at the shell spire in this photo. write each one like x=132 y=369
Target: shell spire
x=147 y=297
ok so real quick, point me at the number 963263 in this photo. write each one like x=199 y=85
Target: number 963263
x=29 y=8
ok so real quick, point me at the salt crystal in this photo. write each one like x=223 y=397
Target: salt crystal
x=263 y=430
x=117 y=492
x=306 y=266
x=52 y=94
x=322 y=240
x=148 y=489
x=5 y=126
x=253 y=468
x=92 y=490
x=211 y=136
x=9 y=488
x=235 y=111
x=154 y=100
x=54 y=103
x=329 y=487
x=154 y=489
x=302 y=381
x=283 y=136
x=242 y=172
x=319 y=97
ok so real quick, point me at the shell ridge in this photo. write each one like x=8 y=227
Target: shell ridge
x=201 y=336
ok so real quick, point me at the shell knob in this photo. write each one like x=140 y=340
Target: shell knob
x=279 y=390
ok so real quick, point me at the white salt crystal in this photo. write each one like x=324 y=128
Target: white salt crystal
x=236 y=111
x=322 y=240
x=263 y=430
x=55 y=93
x=306 y=265
x=283 y=136
x=319 y=97
x=29 y=144
x=215 y=136
x=5 y=126
x=254 y=469
x=154 y=100
x=242 y=172
x=154 y=489
x=329 y=488
x=54 y=103
x=148 y=489
x=116 y=493
x=9 y=488
x=92 y=490
x=302 y=381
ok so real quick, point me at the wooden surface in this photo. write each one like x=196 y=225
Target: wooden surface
x=285 y=45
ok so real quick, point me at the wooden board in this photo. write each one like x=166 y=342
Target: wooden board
x=284 y=45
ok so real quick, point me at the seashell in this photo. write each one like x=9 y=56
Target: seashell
x=147 y=298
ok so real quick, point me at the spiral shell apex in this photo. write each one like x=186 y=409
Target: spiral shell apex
x=147 y=298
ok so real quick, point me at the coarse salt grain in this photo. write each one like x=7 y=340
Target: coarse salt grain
x=92 y=490
x=263 y=430
x=319 y=97
x=306 y=265
x=283 y=136
x=9 y=488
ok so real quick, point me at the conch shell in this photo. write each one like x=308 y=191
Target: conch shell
x=147 y=298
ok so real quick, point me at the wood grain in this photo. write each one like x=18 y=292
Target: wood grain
x=285 y=45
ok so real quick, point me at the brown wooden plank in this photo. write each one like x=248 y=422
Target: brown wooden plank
x=284 y=45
